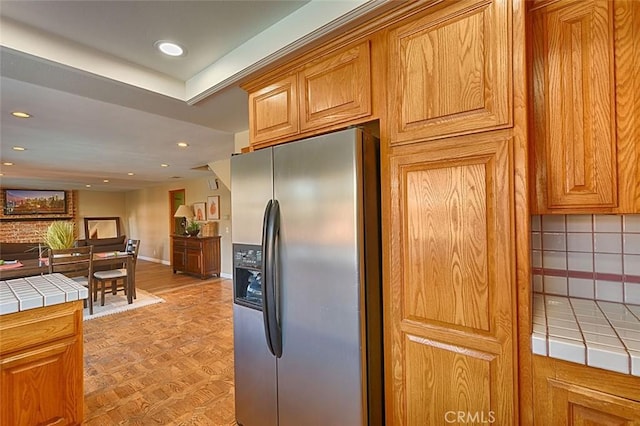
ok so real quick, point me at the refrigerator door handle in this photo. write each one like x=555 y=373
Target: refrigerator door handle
x=271 y=228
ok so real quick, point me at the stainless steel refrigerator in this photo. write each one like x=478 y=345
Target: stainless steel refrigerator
x=307 y=294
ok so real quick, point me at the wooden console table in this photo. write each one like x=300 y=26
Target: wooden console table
x=196 y=255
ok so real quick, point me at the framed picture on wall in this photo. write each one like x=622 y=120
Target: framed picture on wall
x=213 y=207
x=199 y=211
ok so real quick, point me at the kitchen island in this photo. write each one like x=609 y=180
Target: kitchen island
x=41 y=364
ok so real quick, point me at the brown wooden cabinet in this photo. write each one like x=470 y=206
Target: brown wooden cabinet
x=196 y=255
x=450 y=300
x=41 y=366
x=585 y=130
x=273 y=110
x=450 y=71
x=330 y=90
x=572 y=394
x=335 y=89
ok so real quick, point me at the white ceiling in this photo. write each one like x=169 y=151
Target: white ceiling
x=105 y=103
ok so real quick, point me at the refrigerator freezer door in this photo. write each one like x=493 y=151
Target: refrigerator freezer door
x=255 y=370
x=320 y=374
x=252 y=187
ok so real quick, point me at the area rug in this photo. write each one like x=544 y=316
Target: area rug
x=114 y=304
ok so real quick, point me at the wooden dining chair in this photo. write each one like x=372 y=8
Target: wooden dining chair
x=119 y=278
x=77 y=264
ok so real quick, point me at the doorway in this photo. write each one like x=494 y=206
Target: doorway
x=176 y=199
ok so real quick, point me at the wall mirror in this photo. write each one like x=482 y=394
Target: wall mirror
x=101 y=227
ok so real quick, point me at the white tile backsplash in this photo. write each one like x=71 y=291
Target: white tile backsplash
x=581 y=242
x=536 y=241
x=536 y=258
x=631 y=243
x=555 y=259
x=587 y=246
x=607 y=223
x=535 y=223
x=580 y=223
x=580 y=262
x=631 y=264
x=554 y=241
x=537 y=284
x=606 y=263
x=553 y=223
x=632 y=223
x=607 y=242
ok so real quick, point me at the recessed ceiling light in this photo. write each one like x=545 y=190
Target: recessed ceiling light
x=18 y=148
x=105 y=180
x=8 y=163
x=183 y=144
x=170 y=48
x=21 y=114
x=164 y=165
x=130 y=174
x=88 y=186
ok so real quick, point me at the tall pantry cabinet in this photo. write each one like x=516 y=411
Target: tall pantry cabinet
x=450 y=286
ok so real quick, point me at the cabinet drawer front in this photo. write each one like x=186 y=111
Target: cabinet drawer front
x=38 y=326
x=337 y=89
x=193 y=244
x=179 y=243
x=450 y=72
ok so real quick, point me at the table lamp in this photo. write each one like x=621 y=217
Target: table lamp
x=184 y=212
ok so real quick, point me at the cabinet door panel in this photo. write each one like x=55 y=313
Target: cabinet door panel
x=336 y=89
x=273 y=110
x=193 y=261
x=432 y=368
x=450 y=72
x=574 y=90
x=451 y=298
x=575 y=405
x=42 y=386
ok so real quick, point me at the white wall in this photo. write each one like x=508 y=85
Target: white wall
x=100 y=204
x=149 y=218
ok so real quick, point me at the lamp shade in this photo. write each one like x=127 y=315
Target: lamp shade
x=184 y=211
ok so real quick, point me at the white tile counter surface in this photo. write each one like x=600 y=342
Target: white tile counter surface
x=37 y=291
x=591 y=332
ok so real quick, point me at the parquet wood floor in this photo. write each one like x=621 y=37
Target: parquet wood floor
x=164 y=364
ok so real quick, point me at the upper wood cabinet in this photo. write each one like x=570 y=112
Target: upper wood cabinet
x=450 y=72
x=273 y=110
x=334 y=89
x=585 y=129
x=450 y=303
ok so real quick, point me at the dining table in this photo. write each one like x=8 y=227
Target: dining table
x=115 y=260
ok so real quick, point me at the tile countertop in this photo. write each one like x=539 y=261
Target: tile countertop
x=37 y=291
x=594 y=333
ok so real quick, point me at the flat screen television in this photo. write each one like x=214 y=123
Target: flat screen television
x=26 y=201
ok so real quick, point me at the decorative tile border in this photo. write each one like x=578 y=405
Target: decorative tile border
x=589 y=256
